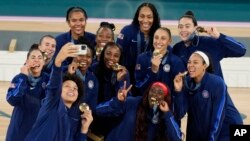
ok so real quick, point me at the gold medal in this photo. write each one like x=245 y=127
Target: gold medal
x=185 y=73
x=45 y=54
x=200 y=29
x=99 y=50
x=83 y=107
x=156 y=52
x=116 y=67
x=81 y=64
x=154 y=101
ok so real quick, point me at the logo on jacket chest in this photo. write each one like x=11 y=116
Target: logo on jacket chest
x=205 y=94
x=44 y=85
x=166 y=67
x=91 y=84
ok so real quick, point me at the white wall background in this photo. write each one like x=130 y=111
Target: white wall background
x=236 y=70
x=10 y=64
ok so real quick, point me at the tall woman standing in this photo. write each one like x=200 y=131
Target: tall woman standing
x=137 y=37
x=76 y=18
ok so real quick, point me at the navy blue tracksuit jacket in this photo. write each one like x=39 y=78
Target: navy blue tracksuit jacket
x=66 y=37
x=26 y=100
x=125 y=130
x=132 y=41
x=218 y=49
x=210 y=110
x=170 y=66
x=91 y=87
x=56 y=122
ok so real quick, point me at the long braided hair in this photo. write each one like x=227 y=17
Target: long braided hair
x=142 y=121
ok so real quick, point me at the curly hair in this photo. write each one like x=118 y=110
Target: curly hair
x=79 y=83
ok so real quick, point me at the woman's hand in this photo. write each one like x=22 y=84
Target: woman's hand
x=87 y=119
x=178 y=81
x=156 y=61
x=25 y=68
x=68 y=50
x=122 y=93
x=121 y=74
x=72 y=67
x=164 y=106
x=213 y=32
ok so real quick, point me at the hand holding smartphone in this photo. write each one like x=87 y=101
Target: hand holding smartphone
x=82 y=49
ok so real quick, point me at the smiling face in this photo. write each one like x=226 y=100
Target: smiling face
x=69 y=92
x=35 y=62
x=84 y=61
x=103 y=36
x=186 y=28
x=155 y=96
x=196 y=67
x=161 y=40
x=111 y=56
x=145 y=19
x=48 y=45
x=77 y=24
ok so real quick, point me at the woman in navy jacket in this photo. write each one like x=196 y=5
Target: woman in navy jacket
x=161 y=65
x=47 y=45
x=25 y=94
x=110 y=81
x=218 y=45
x=144 y=118
x=81 y=67
x=205 y=98
x=77 y=20
x=104 y=34
x=59 y=118
x=137 y=37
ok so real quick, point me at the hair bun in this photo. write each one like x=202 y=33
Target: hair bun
x=107 y=24
x=190 y=13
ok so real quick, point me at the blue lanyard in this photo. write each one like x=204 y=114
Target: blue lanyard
x=139 y=46
x=72 y=40
x=49 y=65
x=164 y=60
x=78 y=73
x=33 y=80
x=192 y=86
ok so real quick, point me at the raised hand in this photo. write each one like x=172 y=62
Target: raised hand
x=121 y=73
x=213 y=32
x=87 y=119
x=25 y=68
x=156 y=61
x=164 y=106
x=72 y=67
x=68 y=50
x=178 y=81
x=122 y=93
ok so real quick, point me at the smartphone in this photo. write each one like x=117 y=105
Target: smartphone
x=82 y=49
